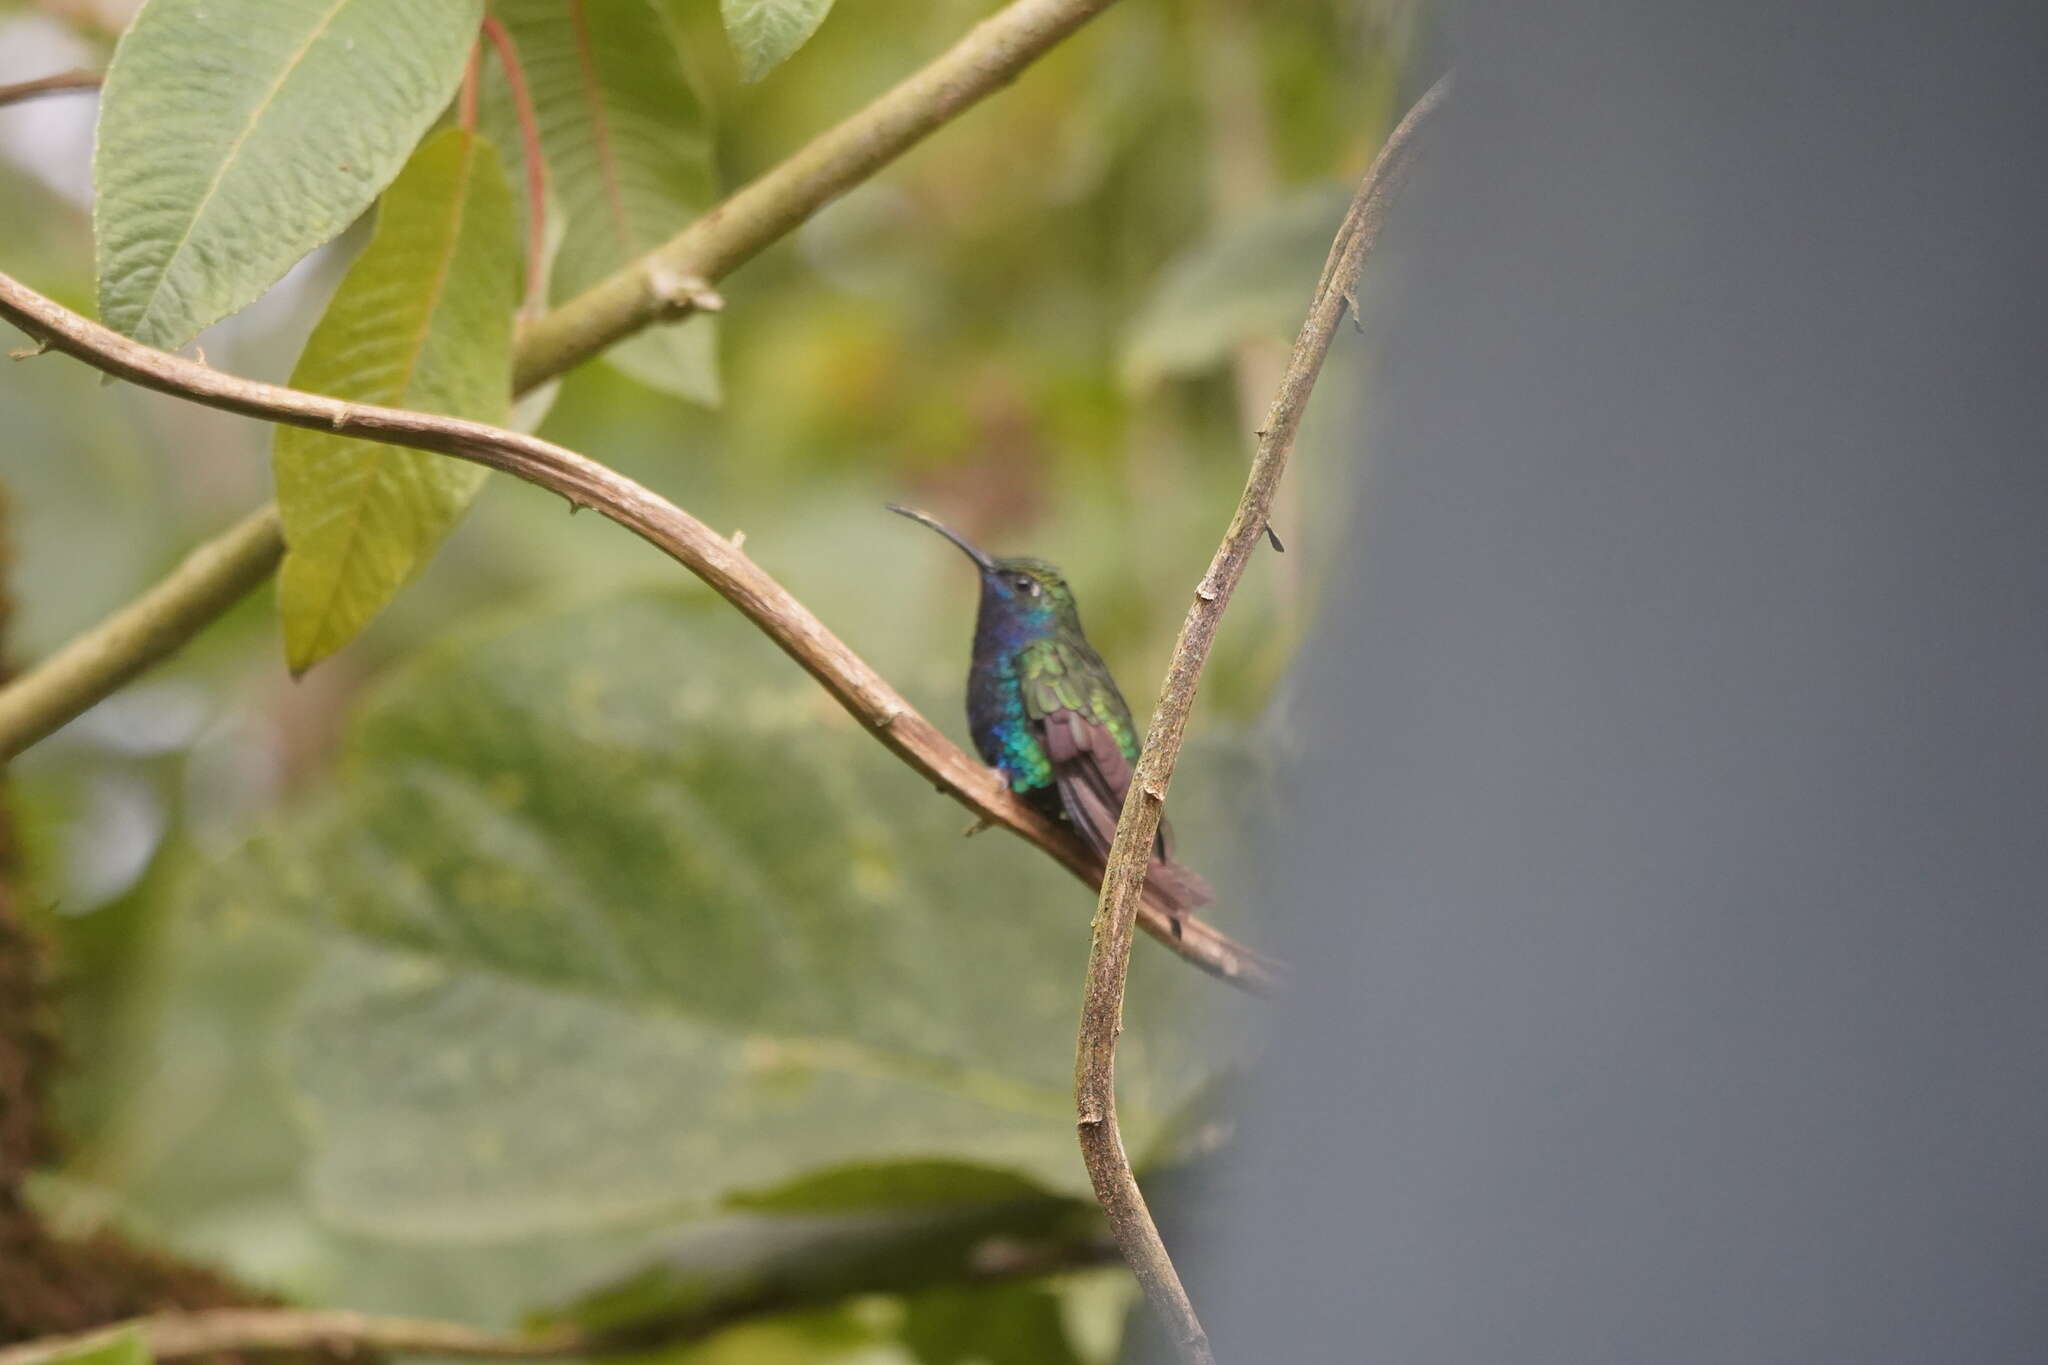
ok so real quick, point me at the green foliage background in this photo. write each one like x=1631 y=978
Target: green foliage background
x=557 y=916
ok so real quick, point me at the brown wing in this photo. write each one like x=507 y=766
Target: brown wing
x=1090 y=771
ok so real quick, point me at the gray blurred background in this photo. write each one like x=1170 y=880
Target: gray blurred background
x=1670 y=867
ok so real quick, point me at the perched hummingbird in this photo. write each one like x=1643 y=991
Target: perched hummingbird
x=1046 y=715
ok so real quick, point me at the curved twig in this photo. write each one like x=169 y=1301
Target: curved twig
x=670 y=282
x=1109 y=955
x=58 y=84
x=720 y=563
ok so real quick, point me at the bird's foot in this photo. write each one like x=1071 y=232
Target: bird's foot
x=977 y=827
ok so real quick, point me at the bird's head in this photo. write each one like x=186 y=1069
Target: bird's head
x=1026 y=591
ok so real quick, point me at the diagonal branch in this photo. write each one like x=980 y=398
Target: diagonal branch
x=668 y=283
x=1109 y=956
x=656 y=287
x=585 y=483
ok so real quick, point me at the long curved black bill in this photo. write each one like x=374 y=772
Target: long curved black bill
x=987 y=565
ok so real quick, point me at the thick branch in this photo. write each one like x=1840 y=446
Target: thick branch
x=1109 y=956
x=209 y=581
x=49 y=85
x=670 y=281
x=585 y=483
x=659 y=284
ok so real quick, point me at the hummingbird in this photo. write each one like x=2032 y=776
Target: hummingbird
x=1045 y=713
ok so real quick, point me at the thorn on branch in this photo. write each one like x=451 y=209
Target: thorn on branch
x=985 y=822
x=30 y=352
x=342 y=416
x=737 y=539
x=1273 y=539
x=1205 y=592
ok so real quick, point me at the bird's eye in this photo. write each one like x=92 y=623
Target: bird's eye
x=1028 y=584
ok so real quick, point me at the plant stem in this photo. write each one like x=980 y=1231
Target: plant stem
x=210 y=580
x=536 y=163
x=1109 y=953
x=659 y=285
x=58 y=84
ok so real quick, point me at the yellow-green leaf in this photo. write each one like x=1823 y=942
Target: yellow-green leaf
x=237 y=135
x=423 y=320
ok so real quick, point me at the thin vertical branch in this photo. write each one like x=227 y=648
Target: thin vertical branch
x=1123 y=882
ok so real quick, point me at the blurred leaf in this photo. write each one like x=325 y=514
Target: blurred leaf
x=896 y=1185
x=1011 y=1325
x=644 y=921
x=423 y=320
x=629 y=157
x=234 y=138
x=1253 y=281
x=765 y=32
x=752 y=1262
x=123 y=1347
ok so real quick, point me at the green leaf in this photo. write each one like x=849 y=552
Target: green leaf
x=236 y=137
x=711 y=1266
x=893 y=1185
x=1252 y=281
x=633 y=919
x=1009 y=1325
x=122 y=1346
x=423 y=320
x=628 y=148
x=765 y=32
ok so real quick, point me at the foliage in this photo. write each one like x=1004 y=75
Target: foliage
x=236 y=138
x=360 y=517
x=552 y=947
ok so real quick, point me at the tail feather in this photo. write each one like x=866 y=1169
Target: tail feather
x=1183 y=889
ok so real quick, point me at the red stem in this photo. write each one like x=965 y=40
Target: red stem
x=465 y=108
x=536 y=165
